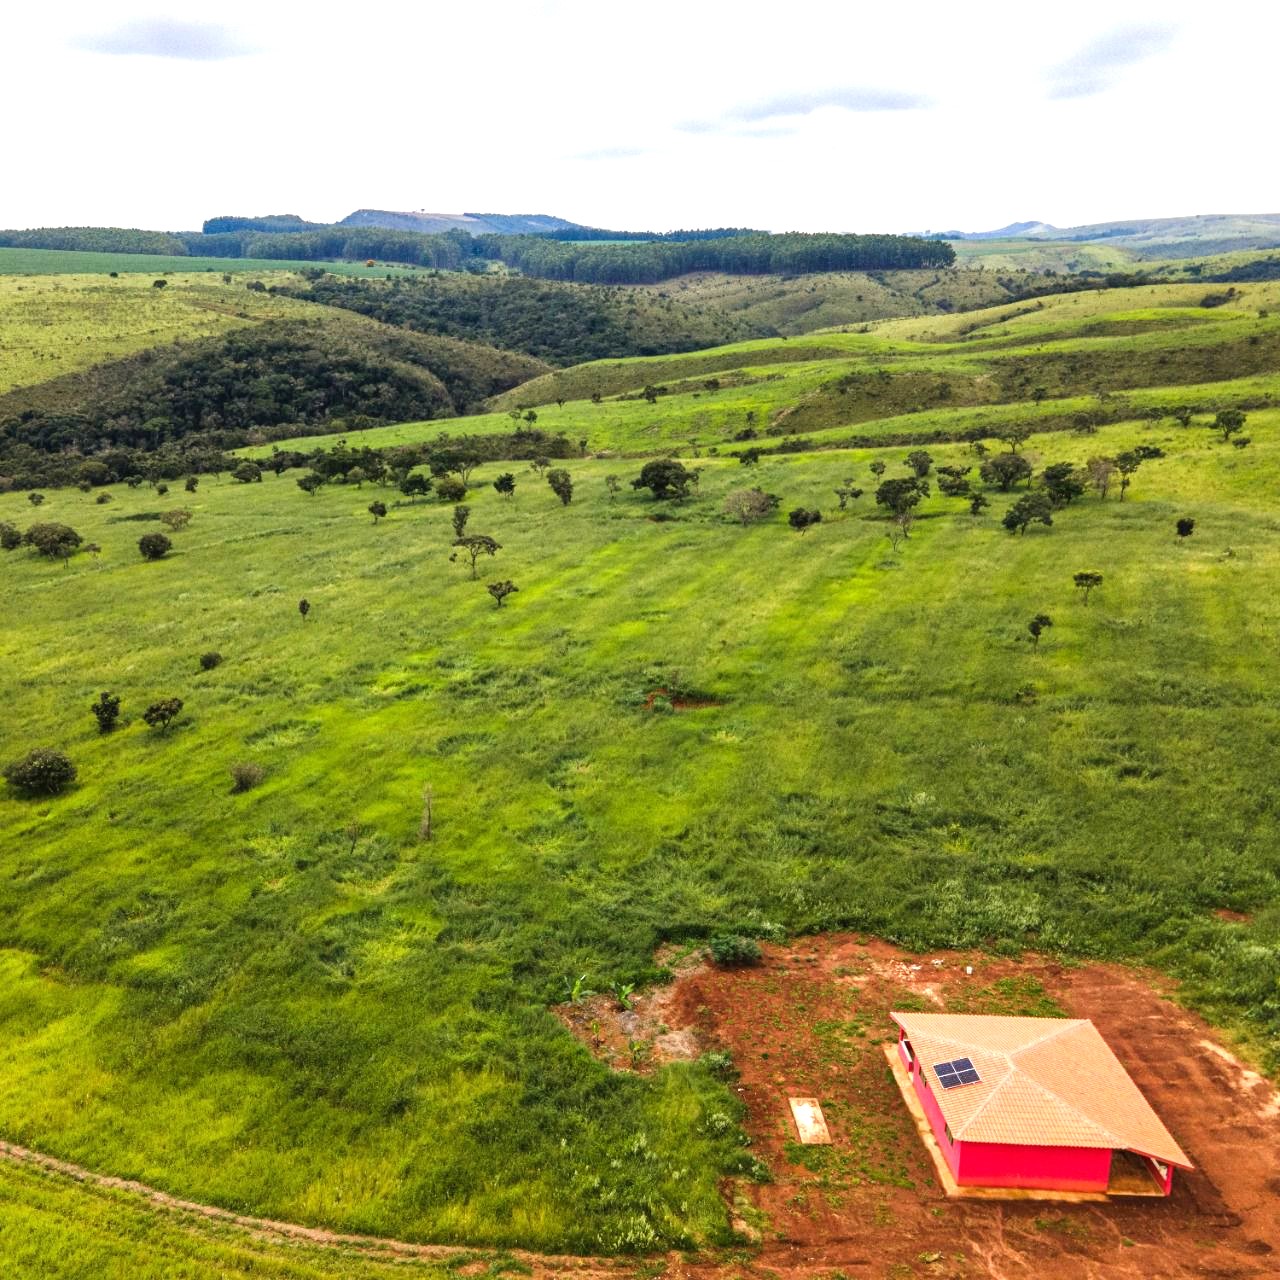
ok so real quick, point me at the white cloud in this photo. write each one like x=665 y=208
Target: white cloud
x=1099 y=64
x=165 y=38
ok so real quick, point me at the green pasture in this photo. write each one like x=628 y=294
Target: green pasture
x=75 y=262
x=286 y=1002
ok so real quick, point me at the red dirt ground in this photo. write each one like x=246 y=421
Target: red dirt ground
x=810 y=1020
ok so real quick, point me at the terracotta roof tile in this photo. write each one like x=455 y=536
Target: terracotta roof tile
x=1050 y=1082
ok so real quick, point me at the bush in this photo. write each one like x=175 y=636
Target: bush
x=106 y=711
x=210 y=660
x=42 y=772
x=176 y=520
x=245 y=775
x=154 y=546
x=733 y=950
x=450 y=489
x=160 y=715
x=57 y=541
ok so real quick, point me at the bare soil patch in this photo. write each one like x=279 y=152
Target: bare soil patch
x=811 y=1020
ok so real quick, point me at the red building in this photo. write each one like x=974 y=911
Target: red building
x=1039 y=1103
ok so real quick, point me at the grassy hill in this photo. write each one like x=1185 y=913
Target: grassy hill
x=25 y=262
x=285 y=1001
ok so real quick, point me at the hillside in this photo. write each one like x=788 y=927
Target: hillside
x=285 y=999
x=475 y=224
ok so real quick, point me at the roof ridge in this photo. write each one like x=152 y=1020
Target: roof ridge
x=982 y=1106
x=1068 y=1024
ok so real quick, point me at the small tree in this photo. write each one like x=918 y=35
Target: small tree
x=304 y=607
x=539 y=464
x=461 y=515
x=1229 y=421
x=310 y=483
x=1028 y=509
x=501 y=590
x=451 y=489
x=1015 y=435
x=613 y=484
x=245 y=775
x=176 y=520
x=1186 y=527
x=900 y=497
x=162 y=489
x=920 y=462
x=877 y=469
x=1086 y=581
x=154 y=546
x=1005 y=470
x=750 y=505
x=57 y=541
x=749 y=457
x=41 y=772
x=476 y=545
x=978 y=503
x=377 y=510
x=416 y=485
x=846 y=492
x=106 y=711
x=210 y=660
x=192 y=484
x=248 y=473
x=160 y=715
x=35 y=498
x=505 y=484
x=803 y=518
x=1037 y=626
x=664 y=478
x=561 y=484
x=356 y=476
x=1101 y=472
x=1062 y=482
x=10 y=538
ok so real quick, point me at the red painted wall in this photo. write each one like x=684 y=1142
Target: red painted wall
x=992 y=1164
x=951 y=1150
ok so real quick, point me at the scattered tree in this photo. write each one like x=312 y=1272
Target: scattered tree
x=900 y=497
x=461 y=515
x=505 y=484
x=10 y=538
x=476 y=545
x=749 y=457
x=310 y=483
x=57 y=541
x=35 y=499
x=1087 y=580
x=160 y=715
x=665 y=478
x=1015 y=435
x=248 y=473
x=1004 y=470
x=416 y=485
x=1229 y=421
x=192 y=484
x=1186 y=527
x=920 y=462
x=1101 y=472
x=106 y=710
x=877 y=469
x=561 y=484
x=978 y=502
x=451 y=489
x=847 y=491
x=210 y=660
x=803 y=518
x=1062 y=482
x=304 y=607
x=176 y=519
x=1037 y=626
x=41 y=772
x=377 y=510
x=539 y=464
x=154 y=546
x=613 y=484
x=750 y=505
x=501 y=590
x=1028 y=509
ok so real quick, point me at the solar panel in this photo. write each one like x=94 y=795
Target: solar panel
x=956 y=1072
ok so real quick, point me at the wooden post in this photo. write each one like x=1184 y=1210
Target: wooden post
x=424 y=827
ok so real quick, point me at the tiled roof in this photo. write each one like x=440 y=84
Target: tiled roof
x=1049 y=1082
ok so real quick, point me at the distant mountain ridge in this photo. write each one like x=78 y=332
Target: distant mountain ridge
x=476 y=224
x=1150 y=237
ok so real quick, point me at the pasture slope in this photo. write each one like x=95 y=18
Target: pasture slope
x=287 y=1003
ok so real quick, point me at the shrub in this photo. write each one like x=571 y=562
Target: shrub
x=247 y=473
x=42 y=772
x=192 y=484
x=106 y=710
x=102 y=499
x=501 y=590
x=176 y=520
x=10 y=538
x=160 y=715
x=450 y=489
x=154 y=546
x=377 y=510
x=802 y=519
x=733 y=950
x=245 y=775
x=210 y=660
x=57 y=541
x=561 y=484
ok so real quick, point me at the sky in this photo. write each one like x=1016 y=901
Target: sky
x=807 y=116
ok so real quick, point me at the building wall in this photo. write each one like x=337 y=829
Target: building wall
x=929 y=1101
x=998 y=1164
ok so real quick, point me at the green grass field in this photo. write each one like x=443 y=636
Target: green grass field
x=25 y=262
x=286 y=1002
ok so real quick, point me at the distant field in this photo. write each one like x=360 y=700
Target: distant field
x=64 y=262
x=56 y=324
x=1042 y=255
